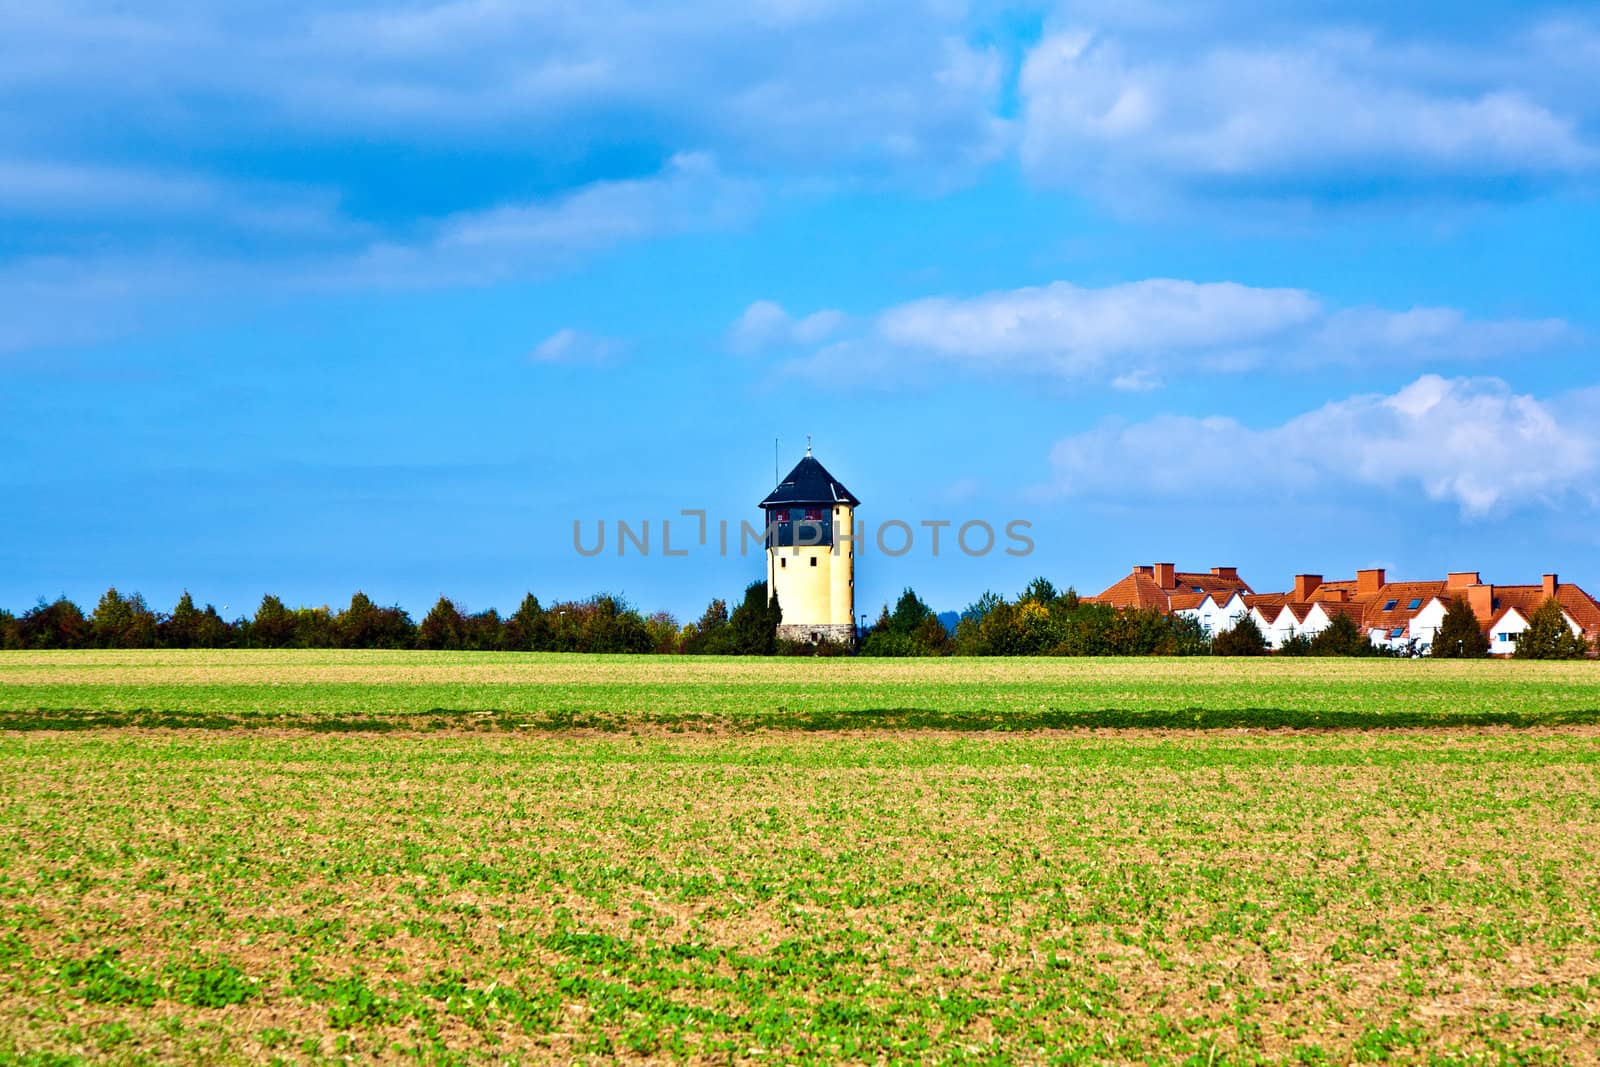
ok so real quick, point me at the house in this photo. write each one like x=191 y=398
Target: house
x=1504 y=611
x=1156 y=585
x=1397 y=615
x=1278 y=622
x=1216 y=612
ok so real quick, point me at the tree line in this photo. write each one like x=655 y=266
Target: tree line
x=1043 y=621
x=601 y=623
x=1040 y=621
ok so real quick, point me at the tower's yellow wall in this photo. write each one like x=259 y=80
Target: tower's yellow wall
x=842 y=575
x=821 y=593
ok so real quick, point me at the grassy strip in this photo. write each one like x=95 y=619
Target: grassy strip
x=502 y=720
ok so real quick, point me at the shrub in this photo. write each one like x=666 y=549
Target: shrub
x=1244 y=639
x=1297 y=644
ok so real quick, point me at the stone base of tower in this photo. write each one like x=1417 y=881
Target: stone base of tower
x=839 y=633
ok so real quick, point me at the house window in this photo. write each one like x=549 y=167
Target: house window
x=1398 y=631
x=813 y=561
x=1506 y=639
x=1390 y=605
x=1414 y=605
x=783 y=562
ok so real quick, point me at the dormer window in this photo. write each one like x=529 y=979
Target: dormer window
x=1390 y=605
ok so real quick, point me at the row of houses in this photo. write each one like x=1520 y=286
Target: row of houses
x=1393 y=614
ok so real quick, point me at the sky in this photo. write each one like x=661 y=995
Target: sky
x=309 y=298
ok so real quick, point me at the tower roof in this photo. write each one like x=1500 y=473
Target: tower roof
x=809 y=483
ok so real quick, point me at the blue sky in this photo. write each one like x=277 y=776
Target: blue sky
x=310 y=298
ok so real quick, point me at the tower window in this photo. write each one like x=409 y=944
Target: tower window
x=813 y=561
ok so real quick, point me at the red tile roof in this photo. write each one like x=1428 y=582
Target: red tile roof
x=1141 y=590
x=1578 y=604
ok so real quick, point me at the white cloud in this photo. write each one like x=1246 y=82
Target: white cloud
x=569 y=345
x=1076 y=332
x=1137 y=381
x=58 y=191
x=689 y=195
x=1128 y=118
x=59 y=300
x=1471 y=442
x=825 y=85
x=765 y=325
x=1138 y=334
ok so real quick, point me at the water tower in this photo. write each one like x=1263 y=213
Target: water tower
x=811 y=557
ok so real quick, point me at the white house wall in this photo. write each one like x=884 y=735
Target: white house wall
x=1512 y=625
x=1213 y=617
x=1425 y=623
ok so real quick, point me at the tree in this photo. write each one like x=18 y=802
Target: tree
x=528 y=629
x=273 y=625
x=1549 y=637
x=709 y=636
x=314 y=628
x=1342 y=637
x=1245 y=639
x=909 y=613
x=10 y=631
x=443 y=627
x=182 y=627
x=1460 y=636
x=55 y=625
x=664 y=632
x=213 y=631
x=755 y=622
x=365 y=625
x=123 y=622
x=1041 y=591
x=483 y=632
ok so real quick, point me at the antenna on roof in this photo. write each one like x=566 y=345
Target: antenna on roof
x=808 y=444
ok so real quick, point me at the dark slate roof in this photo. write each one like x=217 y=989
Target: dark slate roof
x=809 y=483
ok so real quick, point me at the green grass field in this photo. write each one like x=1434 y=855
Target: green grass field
x=378 y=690
x=235 y=857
